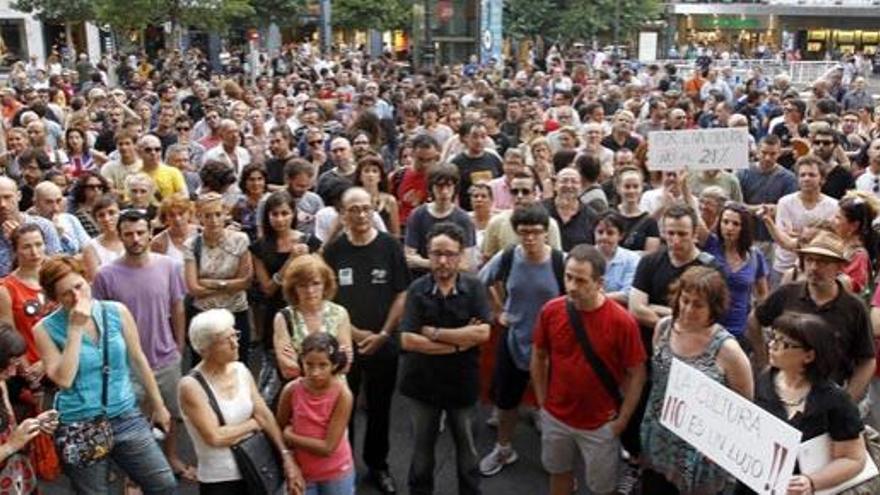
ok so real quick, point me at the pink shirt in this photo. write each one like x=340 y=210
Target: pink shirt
x=311 y=414
x=502 y=199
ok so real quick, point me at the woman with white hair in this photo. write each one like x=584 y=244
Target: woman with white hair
x=213 y=335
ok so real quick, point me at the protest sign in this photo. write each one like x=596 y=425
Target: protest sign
x=698 y=149
x=748 y=442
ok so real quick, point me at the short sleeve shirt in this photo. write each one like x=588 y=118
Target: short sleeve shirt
x=447 y=380
x=575 y=395
x=846 y=316
x=220 y=262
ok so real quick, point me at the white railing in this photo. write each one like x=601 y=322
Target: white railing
x=805 y=72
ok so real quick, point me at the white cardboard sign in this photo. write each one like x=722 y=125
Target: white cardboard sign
x=748 y=442
x=699 y=149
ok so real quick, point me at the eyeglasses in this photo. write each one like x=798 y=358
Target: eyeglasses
x=823 y=143
x=521 y=191
x=777 y=340
x=530 y=232
x=338 y=150
x=443 y=254
x=151 y=149
x=359 y=210
x=182 y=129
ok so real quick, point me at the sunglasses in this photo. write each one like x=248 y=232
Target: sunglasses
x=520 y=191
x=151 y=149
x=182 y=129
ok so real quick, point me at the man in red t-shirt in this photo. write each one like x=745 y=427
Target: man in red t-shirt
x=412 y=190
x=578 y=413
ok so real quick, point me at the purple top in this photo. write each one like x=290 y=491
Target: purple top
x=149 y=292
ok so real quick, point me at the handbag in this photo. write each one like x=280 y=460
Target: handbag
x=17 y=475
x=255 y=456
x=83 y=443
x=590 y=354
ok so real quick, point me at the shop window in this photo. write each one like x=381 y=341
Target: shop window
x=13 y=42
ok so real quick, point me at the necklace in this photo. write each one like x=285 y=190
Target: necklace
x=793 y=403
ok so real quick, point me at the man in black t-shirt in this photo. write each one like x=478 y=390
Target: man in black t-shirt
x=280 y=140
x=823 y=294
x=372 y=275
x=444 y=323
x=475 y=163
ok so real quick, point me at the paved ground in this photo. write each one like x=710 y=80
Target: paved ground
x=524 y=477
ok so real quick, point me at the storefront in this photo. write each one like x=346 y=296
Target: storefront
x=737 y=33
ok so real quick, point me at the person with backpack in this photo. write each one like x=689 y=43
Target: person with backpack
x=521 y=278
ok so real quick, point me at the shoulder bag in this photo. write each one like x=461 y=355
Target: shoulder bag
x=595 y=361
x=255 y=456
x=83 y=443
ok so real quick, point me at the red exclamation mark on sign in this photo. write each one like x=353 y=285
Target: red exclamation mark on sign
x=779 y=455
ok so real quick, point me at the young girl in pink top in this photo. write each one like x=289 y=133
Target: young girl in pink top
x=314 y=411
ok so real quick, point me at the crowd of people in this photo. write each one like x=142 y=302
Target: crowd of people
x=193 y=253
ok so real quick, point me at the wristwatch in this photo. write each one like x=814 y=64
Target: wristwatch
x=276 y=279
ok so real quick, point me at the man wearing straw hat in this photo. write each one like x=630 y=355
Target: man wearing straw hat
x=824 y=295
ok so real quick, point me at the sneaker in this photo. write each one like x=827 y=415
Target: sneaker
x=493 y=463
x=492 y=420
x=629 y=477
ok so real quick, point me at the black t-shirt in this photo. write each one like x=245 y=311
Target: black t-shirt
x=655 y=274
x=421 y=220
x=630 y=143
x=846 y=316
x=637 y=230
x=267 y=252
x=275 y=171
x=578 y=230
x=838 y=182
x=472 y=170
x=829 y=409
x=447 y=380
x=369 y=278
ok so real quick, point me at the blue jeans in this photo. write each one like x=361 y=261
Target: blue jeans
x=426 y=428
x=342 y=486
x=136 y=452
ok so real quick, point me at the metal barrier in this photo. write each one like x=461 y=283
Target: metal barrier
x=805 y=72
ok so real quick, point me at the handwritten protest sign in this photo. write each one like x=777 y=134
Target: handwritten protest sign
x=698 y=149
x=751 y=444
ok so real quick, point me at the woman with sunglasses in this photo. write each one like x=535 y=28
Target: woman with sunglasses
x=88 y=188
x=798 y=389
x=744 y=266
x=107 y=246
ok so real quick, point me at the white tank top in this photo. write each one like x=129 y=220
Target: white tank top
x=105 y=255
x=216 y=464
x=172 y=251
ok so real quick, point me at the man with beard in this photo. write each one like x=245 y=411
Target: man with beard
x=156 y=302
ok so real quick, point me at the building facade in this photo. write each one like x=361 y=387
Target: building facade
x=816 y=29
x=23 y=36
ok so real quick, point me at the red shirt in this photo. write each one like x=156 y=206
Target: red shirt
x=28 y=307
x=412 y=192
x=575 y=395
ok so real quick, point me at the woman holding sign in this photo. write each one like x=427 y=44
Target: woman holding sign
x=692 y=335
x=798 y=389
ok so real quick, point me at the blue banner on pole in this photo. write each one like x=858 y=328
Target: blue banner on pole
x=490 y=30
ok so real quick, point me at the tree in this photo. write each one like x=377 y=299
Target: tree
x=384 y=15
x=67 y=12
x=134 y=15
x=573 y=20
x=281 y=12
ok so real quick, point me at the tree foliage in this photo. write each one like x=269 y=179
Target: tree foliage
x=205 y=14
x=284 y=13
x=371 y=14
x=57 y=10
x=573 y=20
